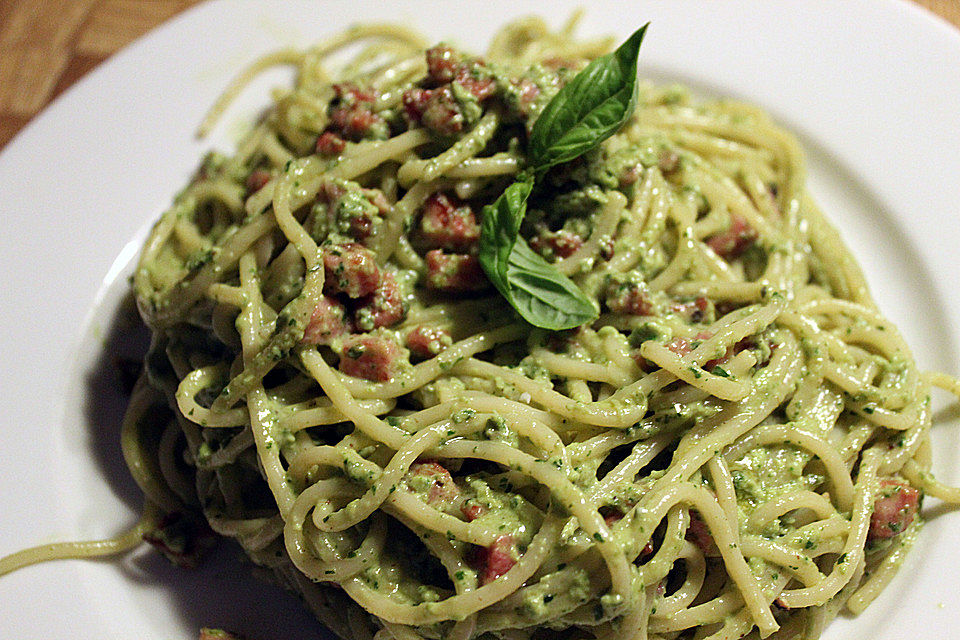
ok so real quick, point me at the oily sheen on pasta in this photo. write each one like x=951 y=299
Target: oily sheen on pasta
x=736 y=447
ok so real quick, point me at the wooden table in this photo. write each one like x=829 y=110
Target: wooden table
x=45 y=46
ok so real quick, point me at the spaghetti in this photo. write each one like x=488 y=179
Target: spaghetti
x=736 y=446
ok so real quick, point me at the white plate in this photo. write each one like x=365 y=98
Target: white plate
x=870 y=88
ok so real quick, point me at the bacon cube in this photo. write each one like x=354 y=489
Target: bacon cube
x=370 y=357
x=351 y=269
x=454 y=272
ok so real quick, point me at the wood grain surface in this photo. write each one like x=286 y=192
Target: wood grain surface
x=47 y=45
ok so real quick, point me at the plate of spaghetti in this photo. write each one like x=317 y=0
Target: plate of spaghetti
x=634 y=324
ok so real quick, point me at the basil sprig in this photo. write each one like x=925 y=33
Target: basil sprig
x=588 y=109
x=542 y=295
x=584 y=113
x=499 y=230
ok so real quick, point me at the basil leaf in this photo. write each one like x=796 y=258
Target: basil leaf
x=543 y=296
x=499 y=229
x=588 y=109
x=584 y=113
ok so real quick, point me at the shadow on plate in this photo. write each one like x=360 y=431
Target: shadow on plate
x=223 y=592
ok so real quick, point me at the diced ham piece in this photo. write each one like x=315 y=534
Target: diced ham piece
x=647 y=550
x=445 y=65
x=425 y=342
x=331 y=190
x=630 y=175
x=497 y=559
x=694 y=310
x=454 y=272
x=681 y=346
x=447 y=223
x=471 y=510
x=481 y=88
x=361 y=226
x=327 y=322
x=353 y=211
x=330 y=144
x=383 y=308
x=611 y=516
x=558 y=244
x=699 y=534
x=555 y=63
x=355 y=122
x=350 y=269
x=377 y=199
x=257 y=180
x=701 y=304
x=734 y=241
x=443 y=490
x=710 y=364
x=369 y=357
x=895 y=508
x=351 y=113
x=668 y=161
x=435 y=109
x=349 y=94
x=632 y=298
x=414 y=102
